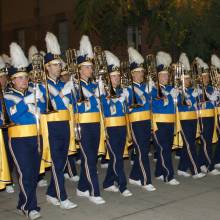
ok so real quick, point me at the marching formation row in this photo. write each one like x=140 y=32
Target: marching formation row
x=94 y=104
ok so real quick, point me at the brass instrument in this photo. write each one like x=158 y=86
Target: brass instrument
x=179 y=81
x=101 y=70
x=152 y=72
x=6 y=121
x=198 y=81
x=124 y=70
x=215 y=79
x=73 y=69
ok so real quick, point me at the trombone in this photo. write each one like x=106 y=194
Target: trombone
x=153 y=73
x=6 y=121
x=73 y=69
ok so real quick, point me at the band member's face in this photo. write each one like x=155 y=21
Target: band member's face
x=54 y=70
x=187 y=81
x=20 y=83
x=163 y=78
x=65 y=78
x=3 y=81
x=115 y=80
x=86 y=71
x=205 y=78
x=138 y=76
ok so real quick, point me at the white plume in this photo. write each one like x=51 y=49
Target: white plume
x=2 y=63
x=185 y=61
x=85 y=47
x=201 y=63
x=163 y=58
x=215 y=61
x=32 y=50
x=18 y=59
x=134 y=56
x=6 y=58
x=112 y=59
x=52 y=44
x=42 y=53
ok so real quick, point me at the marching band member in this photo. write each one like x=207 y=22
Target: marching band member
x=32 y=52
x=215 y=61
x=188 y=121
x=23 y=136
x=206 y=105
x=163 y=108
x=88 y=121
x=115 y=125
x=58 y=125
x=138 y=104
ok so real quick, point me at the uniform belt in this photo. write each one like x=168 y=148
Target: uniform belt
x=90 y=117
x=205 y=113
x=139 y=116
x=166 y=118
x=191 y=115
x=61 y=115
x=115 y=121
x=218 y=110
x=22 y=131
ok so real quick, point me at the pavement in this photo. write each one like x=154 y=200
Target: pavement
x=191 y=200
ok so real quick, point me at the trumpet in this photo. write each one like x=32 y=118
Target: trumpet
x=124 y=70
x=152 y=72
x=101 y=70
x=215 y=79
x=71 y=58
x=179 y=81
x=40 y=75
x=6 y=121
x=198 y=80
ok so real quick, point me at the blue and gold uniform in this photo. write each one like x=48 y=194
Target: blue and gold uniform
x=188 y=121
x=163 y=111
x=23 y=136
x=206 y=113
x=88 y=117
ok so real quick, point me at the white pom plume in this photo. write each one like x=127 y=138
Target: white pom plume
x=18 y=59
x=163 y=58
x=32 y=50
x=201 y=63
x=2 y=63
x=6 y=58
x=134 y=56
x=185 y=61
x=52 y=44
x=215 y=61
x=42 y=53
x=85 y=47
x=112 y=59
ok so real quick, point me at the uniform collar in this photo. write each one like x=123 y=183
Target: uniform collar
x=137 y=83
x=18 y=92
x=52 y=80
x=84 y=81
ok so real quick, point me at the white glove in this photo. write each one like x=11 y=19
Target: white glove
x=149 y=86
x=174 y=93
x=52 y=90
x=32 y=109
x=68 y=87
x=213 y=97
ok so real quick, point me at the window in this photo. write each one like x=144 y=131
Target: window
x=134 y=37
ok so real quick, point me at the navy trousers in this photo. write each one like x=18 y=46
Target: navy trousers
x=116 y=145
x=89 y=144
x=27 y=161
x=188 y=156
x=206 y=150
x=71 y=166
x=163 y=139
x=141 y=132
x=59 y=138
